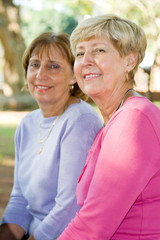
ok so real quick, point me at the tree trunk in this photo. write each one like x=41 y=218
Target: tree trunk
x=13 y=44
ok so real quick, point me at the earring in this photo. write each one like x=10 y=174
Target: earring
x=71 y=87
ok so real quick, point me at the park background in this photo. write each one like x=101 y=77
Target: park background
x=22 y=20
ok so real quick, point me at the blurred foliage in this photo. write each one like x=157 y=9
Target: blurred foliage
x=143 y=12
x=35 y=22
x=52 y=16
x=65 y=14
x=79 y=8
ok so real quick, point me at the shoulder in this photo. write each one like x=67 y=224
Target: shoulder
x=82 y=107
x=137 y=112
x=81 y=116
x=140 y=105
x=31 y=119
x=143 y=107
x=82 y=110
x=32 y=115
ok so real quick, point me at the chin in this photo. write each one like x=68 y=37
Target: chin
x=91 y=92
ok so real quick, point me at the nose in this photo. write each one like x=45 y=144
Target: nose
x=41 y=73
x=88 y=59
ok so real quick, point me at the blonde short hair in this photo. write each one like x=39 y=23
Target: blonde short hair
x=125 y=35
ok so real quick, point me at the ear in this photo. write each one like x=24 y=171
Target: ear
x=131 y=61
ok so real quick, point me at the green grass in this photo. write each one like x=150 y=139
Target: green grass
x=157 y=103
x=6 y=142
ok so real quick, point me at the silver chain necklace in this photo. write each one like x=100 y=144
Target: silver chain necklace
x=125 y=94
x=43 y=140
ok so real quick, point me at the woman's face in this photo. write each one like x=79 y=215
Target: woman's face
x=99 y=67
x=48 y=76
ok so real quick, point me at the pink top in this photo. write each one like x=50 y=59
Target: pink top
x=119 y=188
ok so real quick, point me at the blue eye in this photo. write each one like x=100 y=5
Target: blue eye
x=53 y=66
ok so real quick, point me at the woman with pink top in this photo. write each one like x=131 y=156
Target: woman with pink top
x=119 y=188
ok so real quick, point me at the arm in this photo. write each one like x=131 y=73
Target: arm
x=126 y=163
x=11 y=232
x=75 y=143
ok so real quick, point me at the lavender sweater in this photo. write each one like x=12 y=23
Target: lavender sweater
x=43 y=196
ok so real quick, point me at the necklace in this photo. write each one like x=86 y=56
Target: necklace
x=43 y=140
x=122 y=101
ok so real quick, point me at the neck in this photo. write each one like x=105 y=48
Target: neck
x=108 y=104
x=58 y=108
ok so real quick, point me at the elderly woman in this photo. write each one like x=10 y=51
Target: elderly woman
x=119 y=188
x=52 y=143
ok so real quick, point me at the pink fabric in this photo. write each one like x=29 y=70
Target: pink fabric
x=119 y=189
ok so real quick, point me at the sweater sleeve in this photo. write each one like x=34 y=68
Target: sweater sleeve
x=75 y=144
x=128 y=159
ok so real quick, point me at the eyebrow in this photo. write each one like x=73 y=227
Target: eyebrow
x=94 y=44
x=49 y=60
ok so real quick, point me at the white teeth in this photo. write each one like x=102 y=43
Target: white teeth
x=41 y=87
x=92 y=75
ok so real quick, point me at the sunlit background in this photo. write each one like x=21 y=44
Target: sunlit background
x=23 y=20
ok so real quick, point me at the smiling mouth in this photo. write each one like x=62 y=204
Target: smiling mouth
x=89 y=76
x=42 y=87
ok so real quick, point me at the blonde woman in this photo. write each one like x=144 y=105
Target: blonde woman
x=119 y=188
